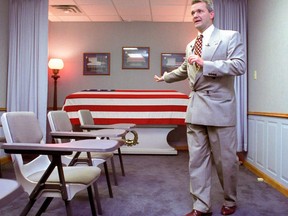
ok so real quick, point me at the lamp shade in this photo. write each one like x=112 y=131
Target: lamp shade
x=55 y=63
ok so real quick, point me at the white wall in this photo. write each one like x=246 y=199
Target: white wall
x=268 y=55
x=70 y=40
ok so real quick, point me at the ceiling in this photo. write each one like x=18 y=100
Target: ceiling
x=119 y=11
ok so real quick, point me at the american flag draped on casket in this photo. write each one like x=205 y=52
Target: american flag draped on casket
x=141 y=107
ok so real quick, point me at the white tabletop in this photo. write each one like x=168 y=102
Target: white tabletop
x=125 y=126
x=92 y=134
x=88 y=145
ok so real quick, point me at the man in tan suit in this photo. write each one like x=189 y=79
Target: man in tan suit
x=211 y=112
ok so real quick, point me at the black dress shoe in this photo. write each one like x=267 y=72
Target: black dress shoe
x=228 y=210
x=198 y=213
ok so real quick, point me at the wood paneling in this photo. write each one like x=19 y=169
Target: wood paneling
x=268 y=147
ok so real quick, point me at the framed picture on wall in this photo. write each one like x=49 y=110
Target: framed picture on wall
x=171 y=61
x=96 y=63
x=135 y=57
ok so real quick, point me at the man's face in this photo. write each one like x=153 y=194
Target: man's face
x=202 y=18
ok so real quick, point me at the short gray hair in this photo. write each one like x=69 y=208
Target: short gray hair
x=209 y=4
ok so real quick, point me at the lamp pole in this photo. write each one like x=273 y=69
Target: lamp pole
x=55 y=76
x=55 y=64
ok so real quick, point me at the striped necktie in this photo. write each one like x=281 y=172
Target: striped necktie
x=198 y=48
x=198 y=45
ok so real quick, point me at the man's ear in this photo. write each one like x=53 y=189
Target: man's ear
x=212 y=15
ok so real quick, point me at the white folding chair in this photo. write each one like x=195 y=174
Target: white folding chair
x=59 y=121
x=87 y=123
x=23 y=127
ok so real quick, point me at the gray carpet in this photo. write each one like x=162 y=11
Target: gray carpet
x=159 y=186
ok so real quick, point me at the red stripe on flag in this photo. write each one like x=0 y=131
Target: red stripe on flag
x=128 y=108
x=162 y=121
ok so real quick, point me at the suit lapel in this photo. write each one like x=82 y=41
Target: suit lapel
x=209 y=50
x=212 y=46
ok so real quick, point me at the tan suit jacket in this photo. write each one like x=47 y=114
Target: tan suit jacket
x=212 y=100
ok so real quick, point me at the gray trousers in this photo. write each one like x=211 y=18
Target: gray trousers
x=205 y=142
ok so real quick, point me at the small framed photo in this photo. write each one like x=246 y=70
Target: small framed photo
x=135 y=57
x=171 y=61
x=96 y=63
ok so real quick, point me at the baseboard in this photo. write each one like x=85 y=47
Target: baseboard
x=181 y=148
x=272 y=182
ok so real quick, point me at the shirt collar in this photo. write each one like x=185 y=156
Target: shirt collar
x=207 y=34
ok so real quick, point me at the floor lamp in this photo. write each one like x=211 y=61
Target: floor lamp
x=55 y=65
